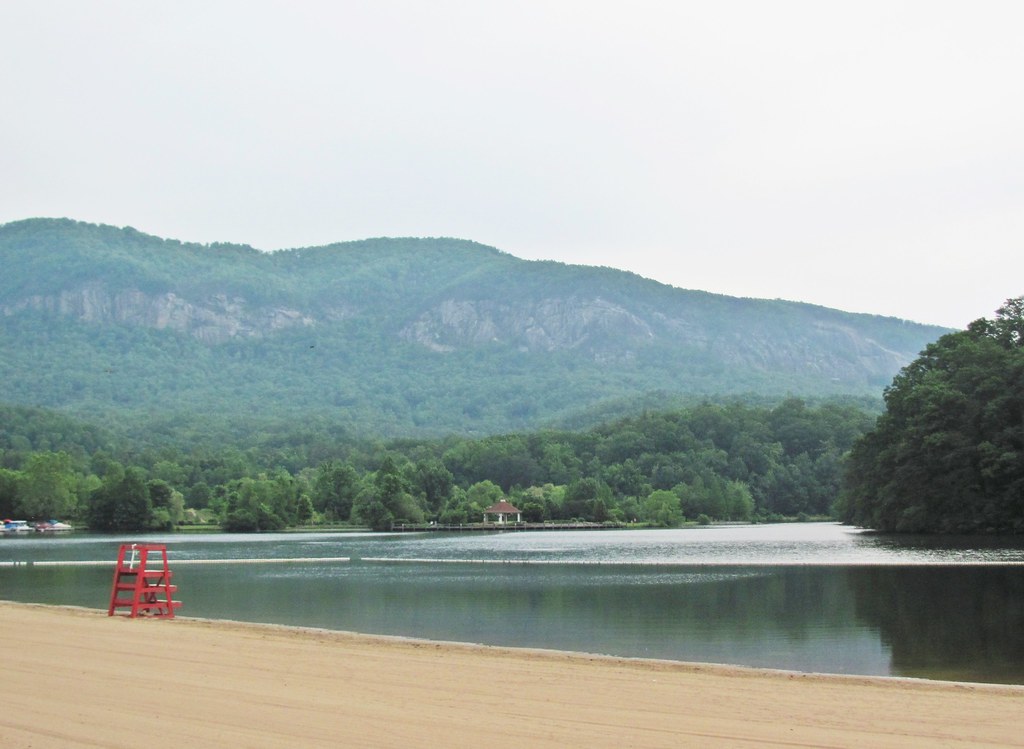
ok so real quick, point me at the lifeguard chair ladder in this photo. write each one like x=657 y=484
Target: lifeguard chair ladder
x=142 y=582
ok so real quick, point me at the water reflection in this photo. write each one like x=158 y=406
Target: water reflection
x=785 y=618
x=946 y=622
x=803 y=597
x=794 y=618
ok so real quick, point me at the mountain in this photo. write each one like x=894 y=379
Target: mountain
x=393 y=336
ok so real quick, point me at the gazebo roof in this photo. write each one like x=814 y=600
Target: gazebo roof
x=501 y=507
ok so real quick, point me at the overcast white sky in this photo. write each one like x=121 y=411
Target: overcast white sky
x=862 y=155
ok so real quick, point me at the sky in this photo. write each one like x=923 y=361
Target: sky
x=866 y=156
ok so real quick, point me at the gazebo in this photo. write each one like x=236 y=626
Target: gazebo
x=502 y=512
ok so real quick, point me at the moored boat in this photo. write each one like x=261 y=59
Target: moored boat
x=52 y=526
x=17 y=526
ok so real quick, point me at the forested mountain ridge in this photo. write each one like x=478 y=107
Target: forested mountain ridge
x=394 y=336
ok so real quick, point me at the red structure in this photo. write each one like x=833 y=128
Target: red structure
x=142 y=582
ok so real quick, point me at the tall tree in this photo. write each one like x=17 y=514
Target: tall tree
x=948 y=453
x=122 y=503
x=433 y=481
x=9 y=481
x=387 y=499
x=47 y=488
x=335 y=489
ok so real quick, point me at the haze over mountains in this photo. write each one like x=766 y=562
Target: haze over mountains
x=394 y=336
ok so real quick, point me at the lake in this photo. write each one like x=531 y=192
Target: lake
x=814 y=597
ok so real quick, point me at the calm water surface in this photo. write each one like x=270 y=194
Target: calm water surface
x=811 y=597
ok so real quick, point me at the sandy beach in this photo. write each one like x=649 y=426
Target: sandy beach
x=74 y=677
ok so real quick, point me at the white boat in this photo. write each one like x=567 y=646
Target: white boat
x=17 y=526
x=53 y=526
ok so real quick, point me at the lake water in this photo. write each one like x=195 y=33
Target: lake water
x=806 y=597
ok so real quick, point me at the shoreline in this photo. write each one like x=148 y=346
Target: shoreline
x=76 y=677
x=319 y=633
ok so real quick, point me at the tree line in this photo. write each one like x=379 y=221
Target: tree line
x=708 y=462
x=947 y=456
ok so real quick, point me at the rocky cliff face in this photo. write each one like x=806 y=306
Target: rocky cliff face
x=822 y=350
x=549 y=325
x=599 y=330
x=602 y=332
x=217 y=319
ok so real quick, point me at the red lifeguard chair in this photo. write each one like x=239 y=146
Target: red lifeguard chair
x=142 y=582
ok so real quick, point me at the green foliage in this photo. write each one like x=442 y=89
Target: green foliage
x=583 y=497
x=375 y=514
x=386 y=499
x=24 y=430
x=387 y=338
x=715 y=497
x=467 y=506
x=304 y=510
x=168 y=505
x=47 y=487
x=335 y=490
x=483 y=494
x=661 y=508
x=947 y=456
x=540 y=503
x=457 y=510
x=121 y=503
x=432 y=482
x=727 y=461
x=8 y=492
x=263 y=503
x=252 y=519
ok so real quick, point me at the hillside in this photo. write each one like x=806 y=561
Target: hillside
x=393 y=336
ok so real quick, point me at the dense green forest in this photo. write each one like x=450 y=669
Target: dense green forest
x=712 y=461
x=947 y=455
x=151 y=382
x=387 y=338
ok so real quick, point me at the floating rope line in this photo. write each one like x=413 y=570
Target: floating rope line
x=178 y=562
x=545 y=562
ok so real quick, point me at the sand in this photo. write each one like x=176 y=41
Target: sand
x=74 y=677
